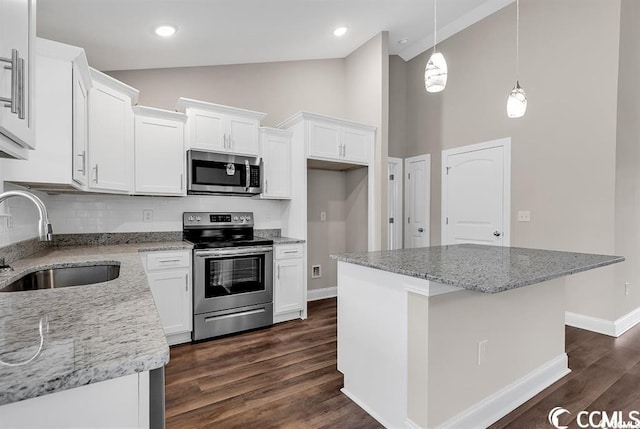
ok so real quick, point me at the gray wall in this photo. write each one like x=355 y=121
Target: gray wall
x=279 y=89
x=563 y=150
x=628 y=161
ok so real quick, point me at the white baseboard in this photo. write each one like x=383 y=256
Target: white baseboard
x=501 y=403
x=175 y=339
x=366 y=409
x=613 y=328
x=411 y=424
x=316 y=294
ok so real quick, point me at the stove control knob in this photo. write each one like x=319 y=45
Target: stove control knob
x=248 y=218
x=242 y=218
x=235 y=218
x=190 y=218
x=198 y=218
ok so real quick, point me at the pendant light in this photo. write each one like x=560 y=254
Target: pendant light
x=435 y=73
x=517 y=101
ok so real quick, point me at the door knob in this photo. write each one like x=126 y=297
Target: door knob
x=420 y=229
x=497 y=233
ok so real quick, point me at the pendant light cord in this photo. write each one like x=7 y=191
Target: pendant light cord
x=517 y=39
x=435 y=24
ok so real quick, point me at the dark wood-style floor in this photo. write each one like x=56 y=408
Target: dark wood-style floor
x=286 y=377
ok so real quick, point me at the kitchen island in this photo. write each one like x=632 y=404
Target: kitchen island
x=452 y=336
x=103 y=350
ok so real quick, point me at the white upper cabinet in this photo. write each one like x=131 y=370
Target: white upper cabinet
x=159 y=152
x=111 y=149
x=218 y=128
x=332 y=139
x=59 y=162
x=275 y=149
x=81 y=82
x=17 y=77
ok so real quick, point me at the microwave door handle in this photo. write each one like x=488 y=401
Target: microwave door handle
x=247 y=172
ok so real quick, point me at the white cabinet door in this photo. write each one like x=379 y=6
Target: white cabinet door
x=243 y=135
x=17 y=42
x=324 y=140
x=80 y=139
x=276 y=154
x=172 y=294
x=110 y=139
x=355 y=143
x=207 y=130
x=289 y=286
x=159 y=156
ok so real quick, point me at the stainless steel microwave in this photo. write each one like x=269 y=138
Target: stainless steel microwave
x=219 y=173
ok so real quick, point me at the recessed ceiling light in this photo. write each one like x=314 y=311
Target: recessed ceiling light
x=165 y=30
x=340 y=31
x=403 y=41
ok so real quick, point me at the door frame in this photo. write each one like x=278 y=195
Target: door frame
x=506 y=172
x=427 y=158
x=398 y=221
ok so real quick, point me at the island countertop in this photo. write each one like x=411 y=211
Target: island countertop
x=95 y=332
x=487 y=269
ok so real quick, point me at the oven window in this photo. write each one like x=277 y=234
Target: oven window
x=234 y=275
x=218 y=173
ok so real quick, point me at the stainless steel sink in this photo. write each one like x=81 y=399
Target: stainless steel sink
x=64 y=277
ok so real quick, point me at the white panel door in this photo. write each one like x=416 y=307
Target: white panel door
x=417 y=201
x=17 y=32
x=207 y=130
x=475 y=196
x=394 y=203
x=289 y=286
x=355 y=144
x=80 y=128
x=170 y=290
x=276 y=153
x=243 y=135
x=110 y=139
x=159 y=156
x=323 y=140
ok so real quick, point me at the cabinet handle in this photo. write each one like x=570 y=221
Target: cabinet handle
x=83 y=155
x=278 y=272
x=290 y=251
x=16 y=101
x=95 y=178
x=186 y=282
x=166 y=261
x=182 y=182
x=266 y=186
x=344 y=150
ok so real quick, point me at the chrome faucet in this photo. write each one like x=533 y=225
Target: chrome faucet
x=44 y=226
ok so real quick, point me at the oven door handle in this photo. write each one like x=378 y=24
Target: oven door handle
x=234 y=252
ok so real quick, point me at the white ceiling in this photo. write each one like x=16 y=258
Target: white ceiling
x=118 y=34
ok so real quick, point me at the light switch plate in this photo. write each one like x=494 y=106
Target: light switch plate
x=323 y=216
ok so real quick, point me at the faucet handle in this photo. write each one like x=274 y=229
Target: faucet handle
x=5 y=268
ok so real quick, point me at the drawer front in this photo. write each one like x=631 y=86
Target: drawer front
x=289 y=251
x=168 y=260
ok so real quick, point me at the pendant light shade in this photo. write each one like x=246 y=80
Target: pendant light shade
x=517 y=102
x=435 y=73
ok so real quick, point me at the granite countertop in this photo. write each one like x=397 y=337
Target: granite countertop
x=488 y=269
x=286 y=240
x=95 y=332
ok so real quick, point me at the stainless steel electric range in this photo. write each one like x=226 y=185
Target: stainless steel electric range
x=232 y=274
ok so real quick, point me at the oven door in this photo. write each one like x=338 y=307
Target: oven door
x=232 y=277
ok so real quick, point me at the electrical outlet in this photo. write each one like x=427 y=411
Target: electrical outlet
x=316 y=271
x=482 y=351
x=524 y=216
x=147 y=216
x=323 y=216
x=626 y=288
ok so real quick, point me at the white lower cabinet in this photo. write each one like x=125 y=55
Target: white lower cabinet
x=120 y=402
x=169 y=275
x=289 y=294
